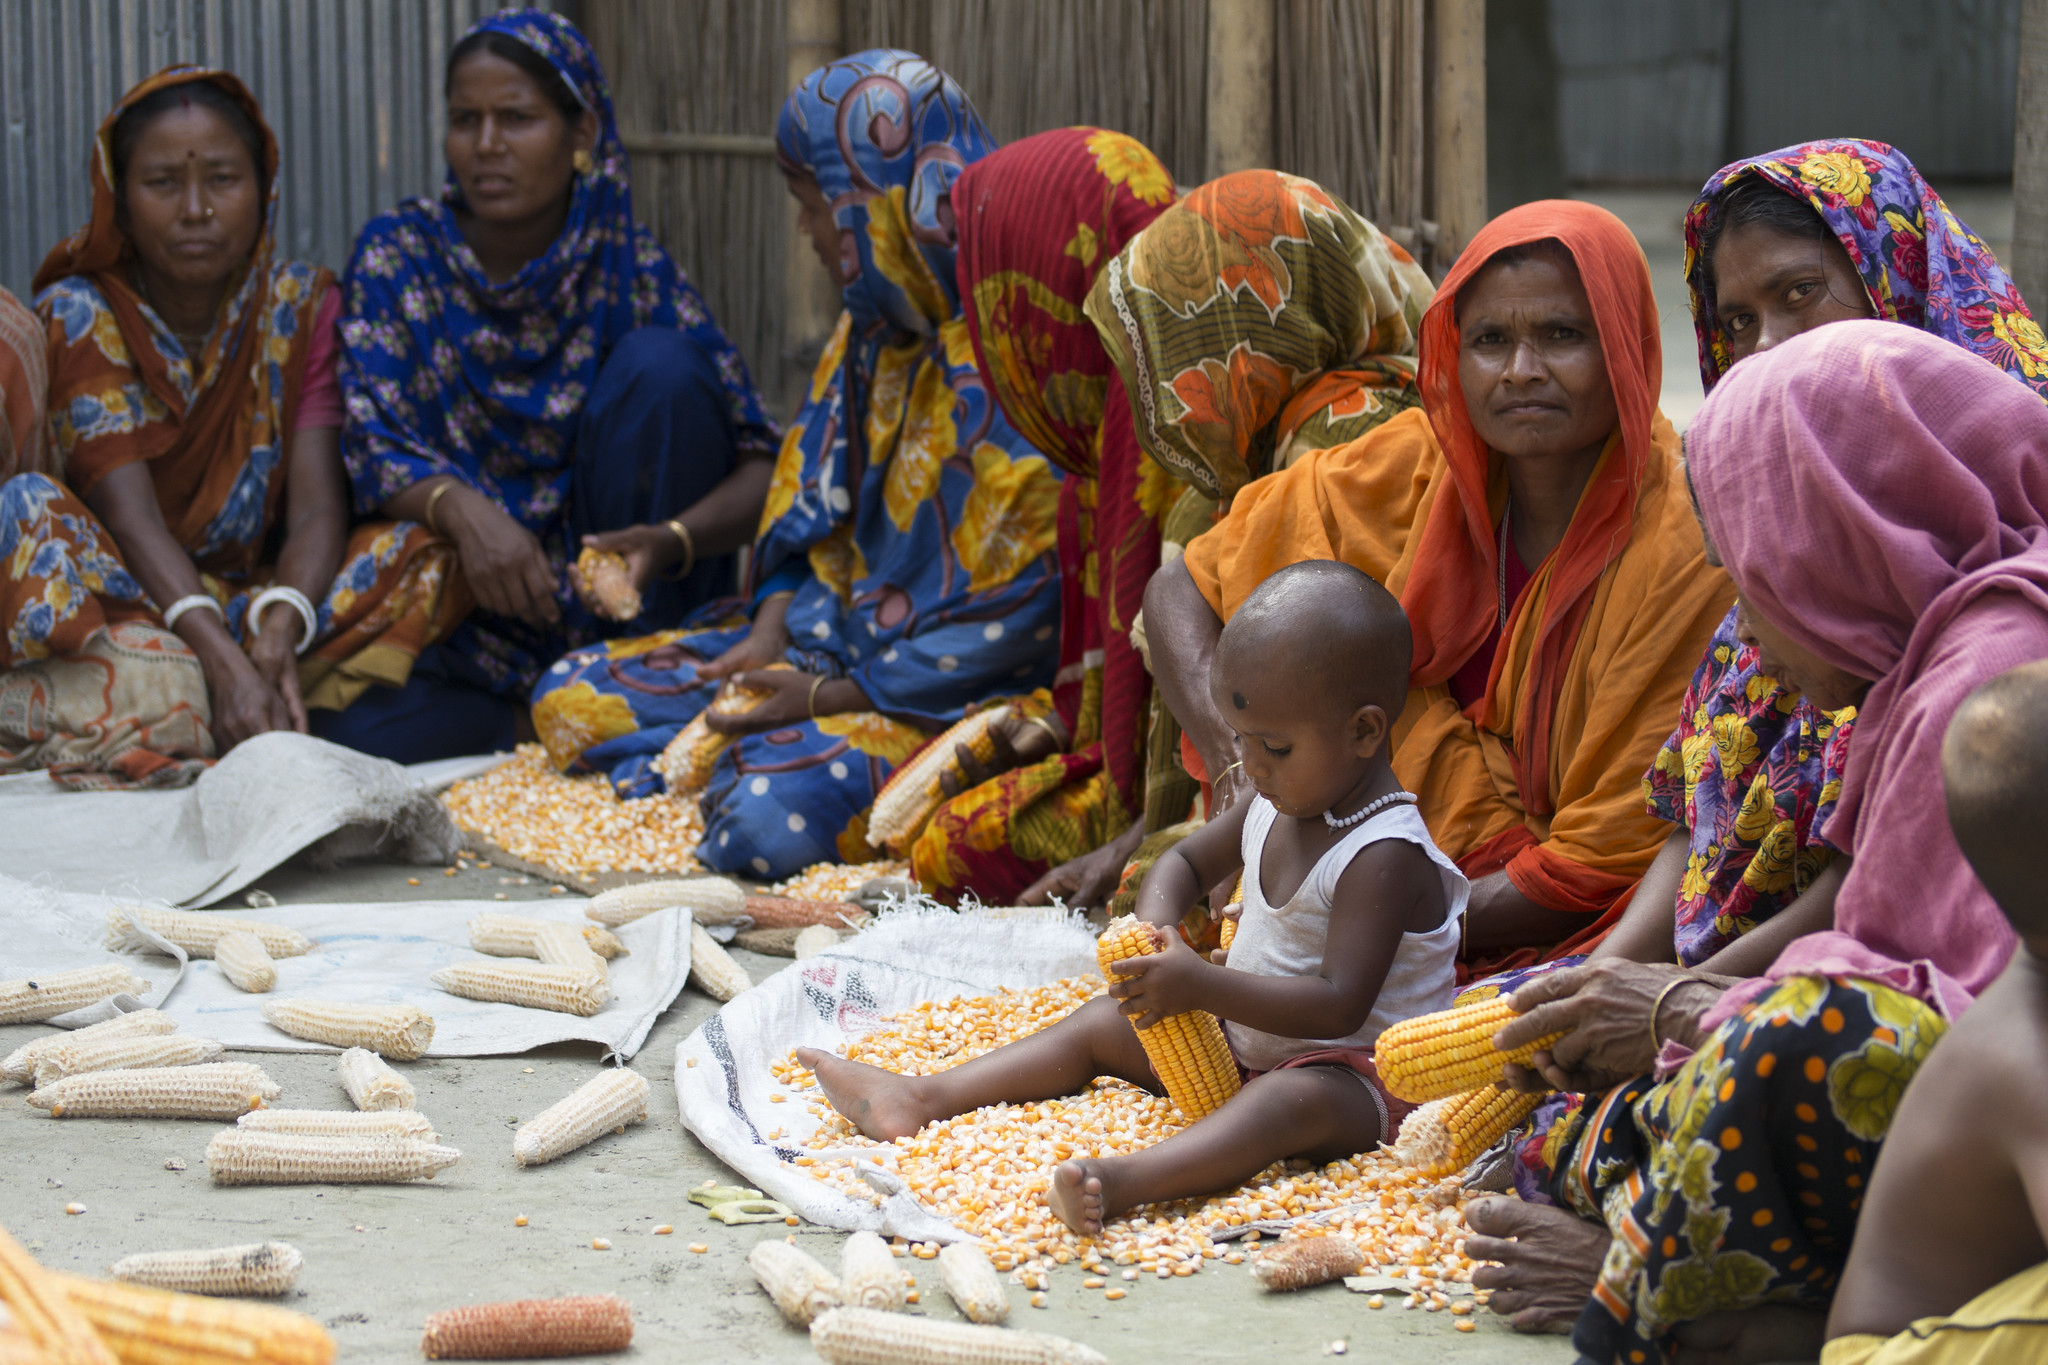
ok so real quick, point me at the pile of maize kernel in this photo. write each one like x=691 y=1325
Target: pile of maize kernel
x=988 y=1171
x=576 y=825
x=837 y=881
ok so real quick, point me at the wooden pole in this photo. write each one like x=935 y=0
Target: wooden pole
x=1459 y=157
x=2030 y=160
x=810 y=300
x=1240 y=91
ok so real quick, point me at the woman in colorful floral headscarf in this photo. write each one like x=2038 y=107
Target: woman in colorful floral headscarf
x=904 y=568
x=192 y=378
x=528 y=372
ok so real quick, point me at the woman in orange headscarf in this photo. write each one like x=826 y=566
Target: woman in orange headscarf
x=1532 y=517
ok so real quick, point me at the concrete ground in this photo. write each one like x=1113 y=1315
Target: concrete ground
x=380 y=1258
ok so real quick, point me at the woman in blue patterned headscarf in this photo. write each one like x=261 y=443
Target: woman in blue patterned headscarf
x=528 y=372
x=904 y=566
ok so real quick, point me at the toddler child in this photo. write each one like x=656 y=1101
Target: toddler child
x=1350 y=923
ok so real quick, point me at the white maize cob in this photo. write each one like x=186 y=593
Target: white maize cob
x=250 y=1156
x=517 y=936
x=603 y=942
x=907 y=800
x=199 y=932
x=211 y=1090
x=862 y=1336
x=258 y=1268
x=971 y=1281
x=605 y=1104
x=401 y=1031
x=20 y=1064
x=341 y=1123
x=243 y=960
x=371 y=1084
x=801 y=1288
x=563 y=945
x=124 y=1054
x=712 y=969
x=868 y=1276
x=28 y=999
x=534 y=985
x=710 y=900
x=812 y=940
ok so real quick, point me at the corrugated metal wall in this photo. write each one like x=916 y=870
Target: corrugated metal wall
x=351 y=87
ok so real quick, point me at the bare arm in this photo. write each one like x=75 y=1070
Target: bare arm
x=315 y=533
x=1500 y=916
x=1813 y=912
x=1645 y=932
x=502 y=560
x=1182 y=630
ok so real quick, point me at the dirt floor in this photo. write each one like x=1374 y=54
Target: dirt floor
x=379 y=1258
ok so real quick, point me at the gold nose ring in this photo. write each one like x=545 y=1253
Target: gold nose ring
x=209 y=211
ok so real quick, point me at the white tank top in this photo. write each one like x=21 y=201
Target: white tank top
x=1291 y=940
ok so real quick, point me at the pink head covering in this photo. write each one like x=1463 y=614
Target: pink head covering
x=1881 y=496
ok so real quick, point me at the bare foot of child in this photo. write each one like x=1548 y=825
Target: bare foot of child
x=1767 y=1332
x=1076 y=1196
x=1546 y=1274
x=880 y=1103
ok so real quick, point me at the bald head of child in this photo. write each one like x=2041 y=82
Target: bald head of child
x=1317 y=657
x=1994 y=769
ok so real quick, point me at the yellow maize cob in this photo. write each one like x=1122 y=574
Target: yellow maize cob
x=28 y=999
x=1188 y=1051
x=401 y=1031
x=258 y=1268
x=1306 y=1262
x=243 y=960
x=604 y=1104
x=1447 y=1135
x=20 y=1064
x=532 y=985
x=907 y=800
x=16 y=1346
x=812 y=940
x=211 y=1090
x=158 y=1327
x=524 y=1329
x=198 y=931
x=341 y=1123
x=1451 y=1051
x=710 y=900
x=604 y=583
x=868 y=1277
x=40 y=1307
x=685 y=764
x=123 y=1054
x=371 y=1083
x=971 y=1281
x=251 y=1156
x=862 y=1336
x=712 y=969
x=800 y=1288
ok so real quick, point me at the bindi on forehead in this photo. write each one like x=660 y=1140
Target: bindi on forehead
x=1237 y=700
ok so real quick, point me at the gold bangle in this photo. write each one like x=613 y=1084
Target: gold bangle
x=1683 y=979
x=689 y=550
x=1059 y=745
x=811 y=702
x=440 y=490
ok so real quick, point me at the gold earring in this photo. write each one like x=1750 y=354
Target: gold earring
x=581 y=161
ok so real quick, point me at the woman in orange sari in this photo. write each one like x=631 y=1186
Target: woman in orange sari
x=1532 y=518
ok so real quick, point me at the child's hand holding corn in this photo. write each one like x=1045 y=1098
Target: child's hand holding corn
x=1162 y=984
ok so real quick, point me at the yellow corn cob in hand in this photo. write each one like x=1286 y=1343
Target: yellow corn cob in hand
x=686 y=762
x=906 y=801
x=863 y=1336
x=531 y=985
x=123 y=1054
x=211 y=1090
x=371 y=1084
x=399 y=1031
x=146 y=1326
x=604 y=583
x=585 y=1324
x=1451 y=1051
x=1447 y=1135
x=251 y=1156
x=259 y=1268
x=710 y=900
x=1188 y=1051
x=712 y=969
x=19 y=1065
x=199 y=932
x=28 y=999
x=800 y=1288
x=37 y=1301
x=971 y=1281
x=243 y=960
x=868 y=1277
x=604 y=1104
x=341 y=1123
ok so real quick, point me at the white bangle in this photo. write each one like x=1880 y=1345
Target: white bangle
x=299 y=603
x=192 y=603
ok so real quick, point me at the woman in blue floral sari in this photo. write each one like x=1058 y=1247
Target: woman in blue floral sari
x=904 y=566
x=528 y=372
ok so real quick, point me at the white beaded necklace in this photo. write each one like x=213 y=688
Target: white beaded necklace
x=1347 y=821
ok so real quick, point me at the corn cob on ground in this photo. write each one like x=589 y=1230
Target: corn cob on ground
x=156 y=1325
x=532 y=985
x=399 y=1031
x=971 y=1281
x=341 y=1122
x=783 y=912
x=563 y=945
x=1188 y=1051
x=800 y=1288
x=252 y=1156
x=906 y=801
x=604 y=1104
x=768 y=942
x=710 y=900
x=243 y=961
x=814 y=939
x=863 y=1336
x=38 y=1302
x=1445 y=1136
x=198 y=932
x=1435 y=1055
x=371 y=1083
x=868 y=1277
x=20 y=1064
x=210 y=1090
x=712 y=969
x=1306 y=1262
x=605 y=583
x=517 y=936
x=30 y=999
x=256 y=1269
x=521 y=1329
x=577 y=826
x=118 y=1054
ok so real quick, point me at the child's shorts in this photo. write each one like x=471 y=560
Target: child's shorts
x=1358 y=1061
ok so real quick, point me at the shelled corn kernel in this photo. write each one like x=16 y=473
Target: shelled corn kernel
x=371 y=1083
x=603 y=582
x=400 y=1031
x=28 y=999
x=577 y=826
x=604 y=1104
x=211 y=1090
x=19 y=1065
x=258 y=1268
x=1451 y=1051
x=117 y=1054
x=584 y=1324
x=837 y=881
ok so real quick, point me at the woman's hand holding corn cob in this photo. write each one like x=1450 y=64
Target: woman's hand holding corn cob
x=1604 y=1010
x=792 y=698
x=1172 y=981
x=764 y=644
x=1018 y=742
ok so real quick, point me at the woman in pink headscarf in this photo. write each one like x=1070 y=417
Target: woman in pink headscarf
x=1905 y=561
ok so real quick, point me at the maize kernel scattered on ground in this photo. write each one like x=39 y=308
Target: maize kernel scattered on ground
x=664 y=1230
x=600 y=1244
x=520 y=1221
x=577 y=825
x=1467 y=1325
x=699 y=1248
x=837 y=881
